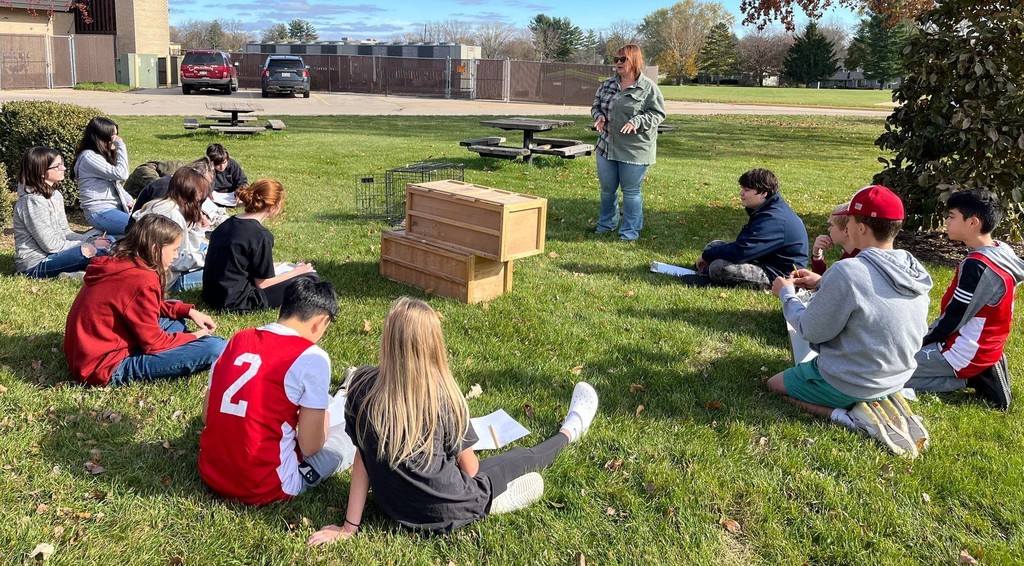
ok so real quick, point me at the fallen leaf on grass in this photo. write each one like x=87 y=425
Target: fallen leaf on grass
x=95 y=454
x=175 y=561
x=926 y=498
x=528 y=410
x=367 y=327
x=730 y=525
x=630 y=293
x=475 y=391
x=576 y=370
x=43 y=508
x=966 y=558
x=636 y=388
x=37 y=364
x=583 y=560
x=553 y=255
x=714 y=405
x=639 y=409
x=649 y=487
x=808 y=442
x=41 y=552
x=763 y=441
x=166 y=481
x=723 y=295
x=610 y=511
x=34 y=289
x=613 y=465
x=94 y=468
x=177 y=415
x=555 y=504
x=3 y=390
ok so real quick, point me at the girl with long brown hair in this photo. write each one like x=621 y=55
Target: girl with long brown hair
x=120 y=329
x=414 y=439
x=101 y=168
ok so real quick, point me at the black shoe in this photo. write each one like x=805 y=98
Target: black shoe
x=696 y=280
x=993 y=385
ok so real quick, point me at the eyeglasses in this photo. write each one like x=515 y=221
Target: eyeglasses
x=620 y=59
x=60 y=165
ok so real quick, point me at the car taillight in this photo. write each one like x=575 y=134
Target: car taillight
x=305 y=73
x=266 y=74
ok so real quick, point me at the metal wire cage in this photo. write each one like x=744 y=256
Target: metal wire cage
x=386 y=201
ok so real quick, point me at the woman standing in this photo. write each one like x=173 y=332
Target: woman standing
x=44 y=244
x=627 y=110
x=101 y=169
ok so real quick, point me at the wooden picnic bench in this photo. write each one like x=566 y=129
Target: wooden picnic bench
x=564 y=148
x=228 y=119
x=239 y=129
x=482 y=141
x=490 y=146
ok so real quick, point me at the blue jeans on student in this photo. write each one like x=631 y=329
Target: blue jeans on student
x=62 y=262
x=186 y=281
x=112 y=221
x=612 y=175
x=187 y=359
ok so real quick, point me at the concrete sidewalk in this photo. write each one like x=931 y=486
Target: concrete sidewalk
x=171 y=102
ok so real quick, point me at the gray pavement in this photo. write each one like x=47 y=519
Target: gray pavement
x=171 y=102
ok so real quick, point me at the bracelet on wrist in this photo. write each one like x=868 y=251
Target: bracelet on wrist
x=356 y=525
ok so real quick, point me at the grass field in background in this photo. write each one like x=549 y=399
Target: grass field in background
x=833 y=98
x=665 y=467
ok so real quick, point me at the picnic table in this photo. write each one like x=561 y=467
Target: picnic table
x=491 y=146
x=232 y=119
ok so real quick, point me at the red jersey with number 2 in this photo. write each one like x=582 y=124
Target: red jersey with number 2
x=248 y=450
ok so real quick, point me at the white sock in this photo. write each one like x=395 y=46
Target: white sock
x=574 y=424
x=842 y=416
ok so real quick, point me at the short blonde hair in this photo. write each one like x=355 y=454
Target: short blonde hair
x=633 y=56
x=840 y=220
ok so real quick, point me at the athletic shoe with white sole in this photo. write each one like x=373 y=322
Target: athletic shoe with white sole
x=874 y=422
x=993 y=384
x=915 y=424
x=519 y=494
x=582 y=409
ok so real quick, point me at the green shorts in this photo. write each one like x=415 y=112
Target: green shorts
x=804 y=382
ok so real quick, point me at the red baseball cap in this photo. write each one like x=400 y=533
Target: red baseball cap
x=875 y=201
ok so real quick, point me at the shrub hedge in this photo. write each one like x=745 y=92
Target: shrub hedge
x=28 y=123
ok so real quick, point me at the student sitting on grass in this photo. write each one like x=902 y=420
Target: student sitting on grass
x=240 y=273
x=413 y=437
x=230 y=176
x=268 y=435
x=120 y=329
x=865 y=322
x=771 y=243
x=44 y=244
x=101 y=167
x=964 y=346
x=837 y=236
x=184 y=205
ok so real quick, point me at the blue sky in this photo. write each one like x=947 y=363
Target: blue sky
x=384 y=19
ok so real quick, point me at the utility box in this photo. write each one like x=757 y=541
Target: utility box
x=137 y=70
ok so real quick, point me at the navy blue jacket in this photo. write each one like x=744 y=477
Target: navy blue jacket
x=774 y=238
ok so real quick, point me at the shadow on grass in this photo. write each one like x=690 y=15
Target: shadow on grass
x=37 y=359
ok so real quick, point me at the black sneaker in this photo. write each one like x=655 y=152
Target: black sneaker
x=993 y=384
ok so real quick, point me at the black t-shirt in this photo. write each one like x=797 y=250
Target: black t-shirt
x=230 y=179
x=155 y=190
x=438 y=497
x=241 y=251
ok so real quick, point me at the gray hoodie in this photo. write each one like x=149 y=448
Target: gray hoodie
x=865 y=321
x=40 y=229
x=100 y=184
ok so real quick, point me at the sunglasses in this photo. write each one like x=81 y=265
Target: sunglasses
x=620 y=59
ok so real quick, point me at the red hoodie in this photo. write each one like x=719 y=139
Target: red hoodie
x=116 y=314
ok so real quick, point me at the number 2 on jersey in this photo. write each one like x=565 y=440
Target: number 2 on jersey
x=238 y=409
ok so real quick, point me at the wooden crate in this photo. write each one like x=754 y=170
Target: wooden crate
x=448 y=271
x=495 y=224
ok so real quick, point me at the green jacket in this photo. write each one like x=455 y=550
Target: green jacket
x=641 y=105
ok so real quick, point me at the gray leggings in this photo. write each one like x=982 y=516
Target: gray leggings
x=736 y=274
x=509 y=465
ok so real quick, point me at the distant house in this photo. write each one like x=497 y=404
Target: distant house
x=58 y=43
x=855 y=80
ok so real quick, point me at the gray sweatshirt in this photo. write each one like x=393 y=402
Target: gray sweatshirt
x=40 y=229
x=865 y=321
x=100 y=183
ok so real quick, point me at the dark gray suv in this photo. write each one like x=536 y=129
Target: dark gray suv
x=284 y=74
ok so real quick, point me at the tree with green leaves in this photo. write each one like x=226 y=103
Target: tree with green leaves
x=811 y=58
x=302 y=30
x=275 y=33
x=556 y=39
x=673 y=36
x=719 y=55
x=215 y=35
x=877 y=50
x=960 y=119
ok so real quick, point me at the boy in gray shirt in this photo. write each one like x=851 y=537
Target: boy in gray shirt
x=866 y=322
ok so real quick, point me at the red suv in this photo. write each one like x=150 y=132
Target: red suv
x=204 y=68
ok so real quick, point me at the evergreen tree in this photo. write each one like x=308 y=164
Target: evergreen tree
x=215 y=35
x=719 y=55
x=877 y=50
x=302 y=30
x=556 y=39
x=275 y=33
x=811 y=58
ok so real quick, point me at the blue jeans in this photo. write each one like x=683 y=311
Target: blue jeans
x=612 y=175
x=186 y=281
x=187 y=359
x=62 y=262
x=113 y=221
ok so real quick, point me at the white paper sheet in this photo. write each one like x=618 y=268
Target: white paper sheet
x=336 y=409
x=800 y=348
x=497 y=426
x=285 y=267
x=224 y=199
x=669 y=269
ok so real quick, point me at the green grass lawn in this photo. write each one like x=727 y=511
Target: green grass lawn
x=834 y=98
x=663 y=468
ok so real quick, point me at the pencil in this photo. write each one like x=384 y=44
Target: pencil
x=494 y=436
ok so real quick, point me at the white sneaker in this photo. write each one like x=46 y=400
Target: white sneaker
x=872 y=420
x=582 y=409
x=519 y=494
x=915 y=424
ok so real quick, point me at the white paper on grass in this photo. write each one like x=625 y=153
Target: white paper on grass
x=800 y=348
x=336 y=409
x=285 y=267
x=224 y=199
x=669 y=269
x=506 y=429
